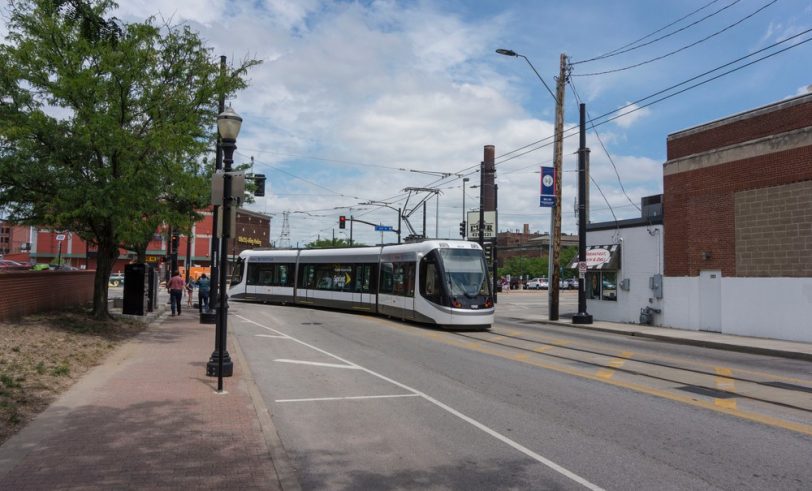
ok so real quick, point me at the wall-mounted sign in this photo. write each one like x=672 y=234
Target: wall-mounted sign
x=60 y=237
x=249 y=240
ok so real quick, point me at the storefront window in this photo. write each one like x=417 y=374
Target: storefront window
x=601 y=285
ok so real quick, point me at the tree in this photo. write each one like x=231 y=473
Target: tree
x=103 y=123
x=329 y=243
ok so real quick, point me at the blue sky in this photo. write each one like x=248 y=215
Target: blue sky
x=351 y=92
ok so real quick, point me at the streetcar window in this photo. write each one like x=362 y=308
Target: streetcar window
x=269 y=274
x=363 y=278
x=465 y=272
x=431 y=283
x=237 y=271
x=403 y=279
x=386 y=278
x=308 y=279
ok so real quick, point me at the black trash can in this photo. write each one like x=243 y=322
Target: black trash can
x=135 y=291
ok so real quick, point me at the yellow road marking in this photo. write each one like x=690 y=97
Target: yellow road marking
x=750 y=416
x=521 y=356
x=542 y=349
x=724 y=382
x=614 y=363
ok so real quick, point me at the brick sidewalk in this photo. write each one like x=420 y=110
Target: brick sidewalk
x=148 y=418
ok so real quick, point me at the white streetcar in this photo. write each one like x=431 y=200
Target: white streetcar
x=442 y=282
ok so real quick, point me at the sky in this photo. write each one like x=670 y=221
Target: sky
x=357 y=100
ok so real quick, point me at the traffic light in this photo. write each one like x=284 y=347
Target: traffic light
x=175 y=242
x=342 y=222
x=462 y=229
x=259 y=182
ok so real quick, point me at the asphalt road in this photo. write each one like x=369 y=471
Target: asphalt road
x=362 y=402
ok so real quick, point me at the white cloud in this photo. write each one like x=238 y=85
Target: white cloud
x=631 y=115
x=806 y=89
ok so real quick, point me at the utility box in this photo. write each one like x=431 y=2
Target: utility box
x=655 y=283
x=135 y=291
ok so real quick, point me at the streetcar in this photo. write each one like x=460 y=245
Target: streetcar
x=439 y=282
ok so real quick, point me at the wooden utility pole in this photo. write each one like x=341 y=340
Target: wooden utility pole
x=558 y=152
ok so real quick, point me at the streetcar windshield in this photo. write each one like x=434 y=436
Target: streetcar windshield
x=465 y=272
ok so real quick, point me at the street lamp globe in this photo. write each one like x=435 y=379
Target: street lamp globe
x=228 y=124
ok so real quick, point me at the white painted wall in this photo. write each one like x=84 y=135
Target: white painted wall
x=778 y=308
x=641 y=257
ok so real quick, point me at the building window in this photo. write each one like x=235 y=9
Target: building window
x=601 y=285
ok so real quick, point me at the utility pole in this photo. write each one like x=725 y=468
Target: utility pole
x=558 y=152
x=582 y=317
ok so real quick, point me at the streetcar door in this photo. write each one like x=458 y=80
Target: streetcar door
x=362 y=288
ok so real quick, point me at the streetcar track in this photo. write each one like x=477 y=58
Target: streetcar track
x=776 y=382
x=681 y=383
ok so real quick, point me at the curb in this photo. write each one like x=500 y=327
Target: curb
x=758 y=350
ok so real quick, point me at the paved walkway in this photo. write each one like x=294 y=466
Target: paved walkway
x=150 y=418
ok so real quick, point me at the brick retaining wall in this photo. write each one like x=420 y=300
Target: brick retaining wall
x=28 y=292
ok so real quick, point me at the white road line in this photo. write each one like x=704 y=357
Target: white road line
x=349 y=398
x=521 y=448
x=318 y=364
x=275 y=336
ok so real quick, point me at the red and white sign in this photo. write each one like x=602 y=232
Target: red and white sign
x=582 y=267
x=595 y=257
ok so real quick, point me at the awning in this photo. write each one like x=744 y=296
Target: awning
x=600 y=257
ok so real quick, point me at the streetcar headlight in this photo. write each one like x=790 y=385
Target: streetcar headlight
x=456 y=303
x=488 y=303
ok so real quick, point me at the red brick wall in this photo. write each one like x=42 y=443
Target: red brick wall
x=699 y=208
x=738 y=131
x=28 y=292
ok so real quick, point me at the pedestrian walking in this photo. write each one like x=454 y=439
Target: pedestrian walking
x=203 y=288
x=190 y=289
x=175 y=287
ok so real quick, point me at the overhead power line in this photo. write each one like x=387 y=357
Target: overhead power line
x=631 y=46
x=683 y=48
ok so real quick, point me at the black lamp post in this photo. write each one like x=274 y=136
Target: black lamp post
x=220 y=364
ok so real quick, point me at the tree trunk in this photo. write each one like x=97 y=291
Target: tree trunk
x=107 y=255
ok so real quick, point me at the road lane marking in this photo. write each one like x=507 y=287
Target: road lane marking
x=348 y=398
x=275 y=336
x=614 y=364
x=726 y=383
x=748 y=415
x=517 y=446
x=318 y=364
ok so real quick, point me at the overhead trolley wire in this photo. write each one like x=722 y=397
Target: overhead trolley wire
x=708 y=72
x=631 y=47
x=683 y=48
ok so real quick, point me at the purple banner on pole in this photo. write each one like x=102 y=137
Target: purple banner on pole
x=547 y=187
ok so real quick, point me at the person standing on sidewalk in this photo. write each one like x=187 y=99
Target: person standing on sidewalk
x=203 y=288
x=175 y=287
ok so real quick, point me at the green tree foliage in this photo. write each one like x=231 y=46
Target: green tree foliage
x=103 y=124
x=328 y=243
x=537 y=267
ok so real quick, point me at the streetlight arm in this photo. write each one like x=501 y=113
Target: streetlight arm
x=510 y=52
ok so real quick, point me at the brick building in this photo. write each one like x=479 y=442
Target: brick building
x=41 y=245
x=738 y=223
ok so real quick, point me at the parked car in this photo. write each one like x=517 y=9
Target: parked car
x=9 y=265
x=537 y=284
x=573 y=282
x=116 y=279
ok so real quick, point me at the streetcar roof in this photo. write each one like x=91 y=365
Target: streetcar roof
x=409 y=250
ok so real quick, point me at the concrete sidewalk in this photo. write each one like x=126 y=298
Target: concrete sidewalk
x=745 y=344
x=149 y=418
